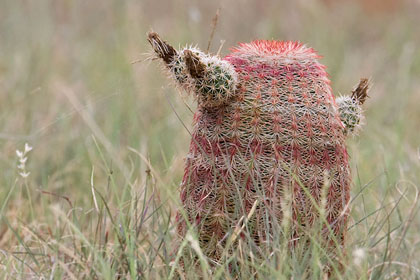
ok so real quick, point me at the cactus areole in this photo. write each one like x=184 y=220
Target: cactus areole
x=267 y=133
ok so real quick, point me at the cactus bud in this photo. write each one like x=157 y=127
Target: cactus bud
x=350 y=108
x=211 y=80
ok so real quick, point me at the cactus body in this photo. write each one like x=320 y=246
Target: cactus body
x=267 y=126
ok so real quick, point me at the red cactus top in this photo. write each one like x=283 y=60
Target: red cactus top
x=290 y=49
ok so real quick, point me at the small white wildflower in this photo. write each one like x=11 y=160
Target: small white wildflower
x=27 y=148
x=22 y=160
x=359 y=254
x=24 y=174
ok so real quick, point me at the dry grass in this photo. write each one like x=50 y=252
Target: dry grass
x=108 y=136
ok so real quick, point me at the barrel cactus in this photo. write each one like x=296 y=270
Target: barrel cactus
x=267 y=127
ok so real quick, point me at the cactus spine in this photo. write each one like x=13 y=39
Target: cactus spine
x=267 y=126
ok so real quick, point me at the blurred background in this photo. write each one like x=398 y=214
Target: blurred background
x=76 y=85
